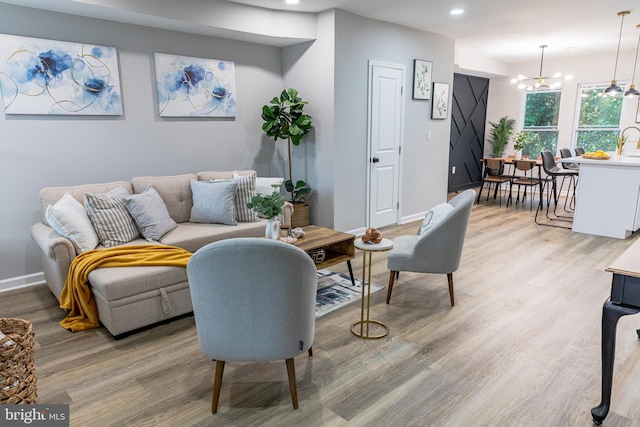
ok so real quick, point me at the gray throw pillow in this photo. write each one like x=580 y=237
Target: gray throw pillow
x=110 y=218
x=213 y=202
x=150 y=214
x=244 y=193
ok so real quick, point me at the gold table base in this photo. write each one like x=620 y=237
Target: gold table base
x=364 y=331
x=367 y=322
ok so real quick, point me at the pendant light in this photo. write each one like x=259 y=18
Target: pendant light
x=633 y=92
x=541 y=82
x=614 y=89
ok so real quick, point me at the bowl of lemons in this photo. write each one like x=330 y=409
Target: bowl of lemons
x=596 y=155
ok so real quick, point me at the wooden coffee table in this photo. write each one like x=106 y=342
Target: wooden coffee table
x=338 y=246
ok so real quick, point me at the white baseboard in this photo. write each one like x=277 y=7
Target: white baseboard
x=22 y=282
x=411 y=218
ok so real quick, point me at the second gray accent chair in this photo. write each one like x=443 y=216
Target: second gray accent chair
x=438 y=250
x=253 y=300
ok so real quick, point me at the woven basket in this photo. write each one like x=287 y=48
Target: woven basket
x=17 y=367
x=300 y=216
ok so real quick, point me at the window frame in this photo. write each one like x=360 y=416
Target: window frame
x=576 y=128
x=536 y=129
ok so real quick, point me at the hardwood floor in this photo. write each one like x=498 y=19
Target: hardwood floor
x=520 y=348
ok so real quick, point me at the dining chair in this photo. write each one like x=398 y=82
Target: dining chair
x=579 y=151
x=493 y=174
x=253 y=300
x=523 y=176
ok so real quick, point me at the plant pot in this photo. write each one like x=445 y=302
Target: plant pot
x=518 y=155
x=300 y=216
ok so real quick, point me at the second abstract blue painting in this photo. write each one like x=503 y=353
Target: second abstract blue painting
x=195 y=87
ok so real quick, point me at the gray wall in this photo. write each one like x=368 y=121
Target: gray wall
x=39 y=151
x=331 y=73
x=424 y=163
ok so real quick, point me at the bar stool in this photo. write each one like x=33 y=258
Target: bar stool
x=553 y=172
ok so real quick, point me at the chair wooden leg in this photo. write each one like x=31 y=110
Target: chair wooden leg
x=450 y=280
x=392 y=276
x=291 y=372
x=217 y=384
x=310 y=351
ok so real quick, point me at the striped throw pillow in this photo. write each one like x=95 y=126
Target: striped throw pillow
x=110 y=218
x=244 y=192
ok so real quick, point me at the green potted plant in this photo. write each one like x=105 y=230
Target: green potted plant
x=500 y=134
x=270 y=207
x=284 y=118
x=520 y=141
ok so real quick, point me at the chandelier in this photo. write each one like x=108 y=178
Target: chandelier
x=541 y=82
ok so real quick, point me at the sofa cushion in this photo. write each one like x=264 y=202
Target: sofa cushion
x=150 y=214
x=50 y=195
x=69 y=218
x=174 y=190
x=110 y=218
x=192 y=236
x=209 y=175
x=213 y=202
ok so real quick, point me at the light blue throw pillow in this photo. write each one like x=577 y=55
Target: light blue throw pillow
x=150 y=214
x=213 y=202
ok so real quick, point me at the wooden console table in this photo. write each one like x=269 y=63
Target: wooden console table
x=624 y=300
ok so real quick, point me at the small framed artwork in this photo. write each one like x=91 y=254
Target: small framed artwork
x=440 y=104
x=422 y=71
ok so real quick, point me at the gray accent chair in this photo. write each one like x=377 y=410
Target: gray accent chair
x=438 y=250
x=253 y=300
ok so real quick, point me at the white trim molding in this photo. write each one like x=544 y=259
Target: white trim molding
x=13 y=283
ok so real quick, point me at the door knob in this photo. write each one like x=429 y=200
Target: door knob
x=375 y=160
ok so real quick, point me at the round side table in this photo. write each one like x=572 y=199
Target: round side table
x=369 y=249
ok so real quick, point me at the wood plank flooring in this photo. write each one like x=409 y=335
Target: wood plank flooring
x=520 y=348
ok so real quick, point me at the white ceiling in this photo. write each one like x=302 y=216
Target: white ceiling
x=507 y=30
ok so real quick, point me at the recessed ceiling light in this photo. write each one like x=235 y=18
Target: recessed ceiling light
x=292 y=1
x=456 y=11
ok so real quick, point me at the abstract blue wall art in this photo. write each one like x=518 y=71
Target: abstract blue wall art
x=54 y=77
x=195 y=87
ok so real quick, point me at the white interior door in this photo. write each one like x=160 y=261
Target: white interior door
x=386 y=117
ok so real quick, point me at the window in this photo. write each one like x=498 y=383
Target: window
x=541 y=118
x=598 y=124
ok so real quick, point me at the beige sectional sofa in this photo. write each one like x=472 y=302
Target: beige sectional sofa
x=129 y=298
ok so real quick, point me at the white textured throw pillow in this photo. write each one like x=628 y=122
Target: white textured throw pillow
x=264 y=185
x=110 y=218
x=69 y=218
x=150 y=214
x=213 y=202
x=434 y=216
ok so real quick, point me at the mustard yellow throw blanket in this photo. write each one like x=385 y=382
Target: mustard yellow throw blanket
x=76 y=295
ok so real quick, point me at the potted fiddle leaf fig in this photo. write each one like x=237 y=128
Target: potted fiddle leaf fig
x=284 y=118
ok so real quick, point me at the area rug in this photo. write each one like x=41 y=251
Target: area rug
x=335 y=290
